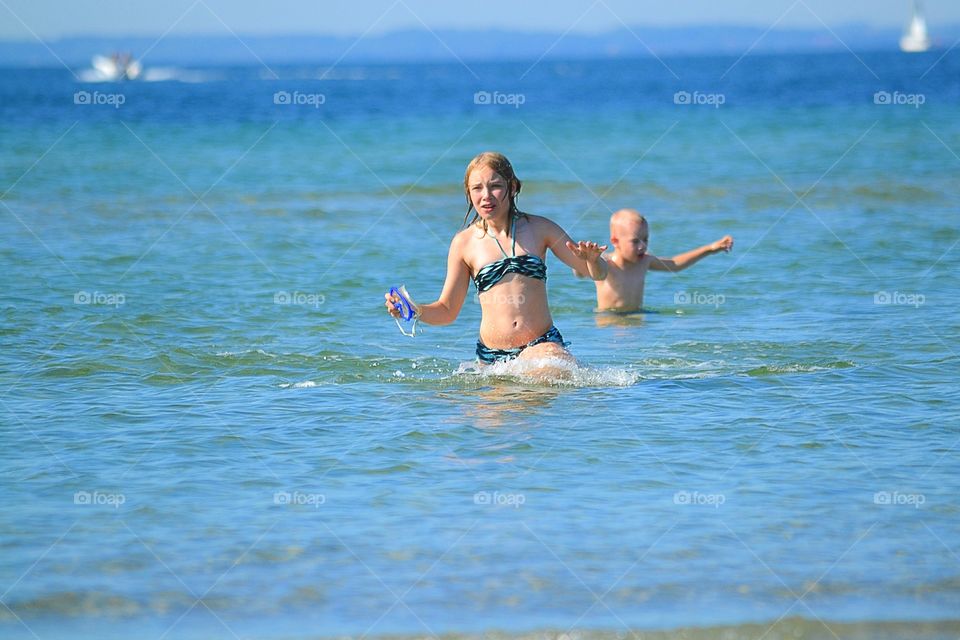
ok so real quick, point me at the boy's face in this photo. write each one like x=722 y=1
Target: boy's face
x=630 y=239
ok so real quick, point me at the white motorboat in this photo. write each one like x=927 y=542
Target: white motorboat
x=116 y=67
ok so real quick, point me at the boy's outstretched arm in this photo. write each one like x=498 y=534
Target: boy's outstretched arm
x=690 y=258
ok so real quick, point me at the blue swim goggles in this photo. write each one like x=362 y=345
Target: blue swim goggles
x=409 y=312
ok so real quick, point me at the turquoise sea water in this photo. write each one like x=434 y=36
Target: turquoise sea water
x=212 y=429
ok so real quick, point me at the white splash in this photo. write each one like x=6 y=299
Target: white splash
x=551 y=371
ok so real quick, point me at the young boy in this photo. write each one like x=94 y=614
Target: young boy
x=622 y=289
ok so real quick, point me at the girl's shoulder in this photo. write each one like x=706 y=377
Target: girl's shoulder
x=532 y=218
x=543 y=226
x=537 y=222
x=468 y=232
x=465 y=236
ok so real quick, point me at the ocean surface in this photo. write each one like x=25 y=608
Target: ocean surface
x=211 y=429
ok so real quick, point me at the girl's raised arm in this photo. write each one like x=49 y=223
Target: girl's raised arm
x=582 y=257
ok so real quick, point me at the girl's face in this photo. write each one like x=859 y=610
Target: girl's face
x=489 y=193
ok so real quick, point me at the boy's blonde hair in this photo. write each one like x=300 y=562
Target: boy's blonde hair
x=622 y=214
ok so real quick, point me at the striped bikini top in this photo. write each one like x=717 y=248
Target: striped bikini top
x=526 y=265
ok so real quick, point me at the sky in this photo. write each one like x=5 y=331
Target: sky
x=26 y=20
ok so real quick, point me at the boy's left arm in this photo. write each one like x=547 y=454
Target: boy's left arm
x=690 y=258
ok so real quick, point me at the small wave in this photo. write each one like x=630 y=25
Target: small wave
x=306 y=384
x=797 y=367
x=236 y=354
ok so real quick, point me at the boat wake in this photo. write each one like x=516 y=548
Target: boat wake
x=104 y=73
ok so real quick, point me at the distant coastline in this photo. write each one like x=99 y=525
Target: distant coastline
x=447 y=45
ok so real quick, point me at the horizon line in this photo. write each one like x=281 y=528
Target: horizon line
x=413 y=29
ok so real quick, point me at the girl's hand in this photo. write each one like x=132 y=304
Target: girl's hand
x=587 y=251
x=390 y=301
x=723 y=244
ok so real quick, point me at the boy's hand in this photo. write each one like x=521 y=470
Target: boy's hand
x=723 y=244
x=587 y=251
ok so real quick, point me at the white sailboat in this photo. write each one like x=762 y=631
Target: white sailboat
x=915 y=38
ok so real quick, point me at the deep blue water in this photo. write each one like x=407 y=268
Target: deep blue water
x=776 y=437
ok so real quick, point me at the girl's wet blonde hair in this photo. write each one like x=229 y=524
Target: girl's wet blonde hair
x=499 y=163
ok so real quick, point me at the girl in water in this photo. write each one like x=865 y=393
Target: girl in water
x=512 y=288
